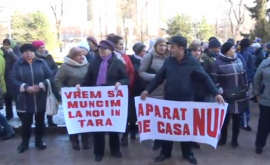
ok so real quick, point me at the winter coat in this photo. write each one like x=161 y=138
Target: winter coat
x=259 y=57
x=128 y=65
x=261 y=85
x=208 y=58
x=10 y=59
x=229 y=73
x=176 y=74
x=138 y=86
x=248 y=55
x=90 y=57
x=2 y=73
x=49 y=60
x=116 y=72
x=70 y=73
x=156 y=64
x=24 y=75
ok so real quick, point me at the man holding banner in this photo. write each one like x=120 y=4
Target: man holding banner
x=176 y=72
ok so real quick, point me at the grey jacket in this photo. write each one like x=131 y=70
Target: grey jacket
x=262 y=82
x=70 y=73
x=156 y=65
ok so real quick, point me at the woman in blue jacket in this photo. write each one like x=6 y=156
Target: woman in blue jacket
x=28 y=77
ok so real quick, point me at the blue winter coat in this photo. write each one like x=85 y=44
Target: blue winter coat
x=249 y=56
x=31 y=74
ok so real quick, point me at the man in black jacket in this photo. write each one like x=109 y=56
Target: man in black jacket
x=176 y=71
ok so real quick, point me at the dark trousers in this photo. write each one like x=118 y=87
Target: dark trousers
x=27 y=120
x=167 y=146
x=235 y=126
x=99 y=142
x=263 y=126
x=75 y=137
x=8 y=104
x=132 y=116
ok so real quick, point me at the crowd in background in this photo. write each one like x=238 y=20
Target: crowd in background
x=237 y=72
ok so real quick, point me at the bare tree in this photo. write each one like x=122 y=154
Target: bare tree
x=236 y=14
x=127 y=12
x=57 y=7
x=142 y=21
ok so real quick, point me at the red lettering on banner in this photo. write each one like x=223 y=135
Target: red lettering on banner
x=99 y=122
x=77 y=114
x=140 y=112
x=149 y=109
x=81 y=123
x=83 y=94
x=117 y=93
x=209 y=122
x=90 y=123
x=144 y=126
x=115 y=112
x=95 y=113
x=157 y=111
x=199 y=121
x=108 y=122
x=221 y=118
x=165 y=113
x=172 y=129
x=186 y=130
x=93 y=104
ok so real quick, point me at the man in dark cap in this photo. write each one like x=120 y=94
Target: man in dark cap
x=182 y=63
x=209 y=55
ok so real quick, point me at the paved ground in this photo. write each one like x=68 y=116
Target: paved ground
x=59 y=152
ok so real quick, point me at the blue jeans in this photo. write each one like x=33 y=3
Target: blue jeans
x=4 y=123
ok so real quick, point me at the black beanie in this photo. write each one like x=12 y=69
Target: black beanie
x=231 y=40
x=226 y=47
x=138 y=47
x=26 y=47
x=212 y=38
x=214 y=44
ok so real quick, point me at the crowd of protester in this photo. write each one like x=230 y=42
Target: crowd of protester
x=168 y=69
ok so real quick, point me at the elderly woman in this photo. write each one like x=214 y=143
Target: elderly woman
x=29 y=78
x=42 y=53
x=105 y=70
x=229 y=75
x=69 y=74
x=150 y=65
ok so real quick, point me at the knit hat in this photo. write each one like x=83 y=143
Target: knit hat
x=84 y=45
x=226 y=47
x=106 y=44
x=258 y=40
x=244 y=43
x=214 y=44
x=231 y=40
x=26 y=47
x=38 y=43
x=212 y=38
x=90 y=38
x=256 y=45
x=138 y=47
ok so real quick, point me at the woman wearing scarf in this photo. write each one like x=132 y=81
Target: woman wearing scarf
x=230 y=76
x=69 y=74
x=42 y=53
x=120 y=54
x=105 y=70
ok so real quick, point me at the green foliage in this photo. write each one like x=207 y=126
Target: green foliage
x=32 y=26
x=203 y=30
x=180 y=24
x=259 y=12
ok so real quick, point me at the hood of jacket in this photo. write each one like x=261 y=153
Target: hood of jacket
x=12 y=43
x=250 y=49
x=71 y=62
x=225 y=58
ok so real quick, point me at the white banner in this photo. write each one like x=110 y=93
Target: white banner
x=180 y=121
x=95 y=109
